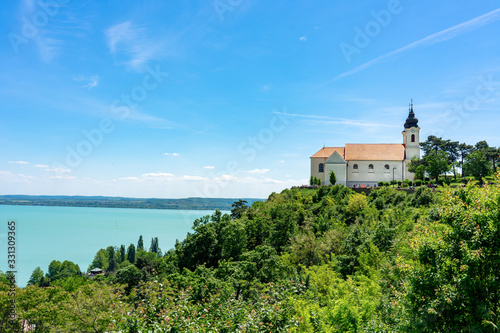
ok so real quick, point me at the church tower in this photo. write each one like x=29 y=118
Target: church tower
x=411 y=135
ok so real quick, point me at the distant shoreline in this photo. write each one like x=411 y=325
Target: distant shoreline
x=121 y=202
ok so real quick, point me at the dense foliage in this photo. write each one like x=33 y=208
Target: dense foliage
x=306 y=260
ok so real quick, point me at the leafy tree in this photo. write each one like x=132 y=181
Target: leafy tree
x=437 y=164
x=433 y=143
x=140 y=243
x=58 y=270
x=101 y=260
x=131 y=253
x=155 y=246
x=476 y=165
x=455 y=288
x=111 y=259
x=239 y=207
x=332 y=178
x=122 y=254
x=36 y=277
x=464 y=150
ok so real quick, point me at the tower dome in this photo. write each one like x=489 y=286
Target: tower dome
x=411 y=121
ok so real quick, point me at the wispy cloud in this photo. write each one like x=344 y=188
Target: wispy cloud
x=157 y=175
x=132 y=41
x=19 y=162
x=171 y=154
x=89 y=81
x=258 y=171
x=435 y=38
x=338 y=121
x=208 y=167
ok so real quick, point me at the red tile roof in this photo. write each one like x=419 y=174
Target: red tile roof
x=366 y=152
x=326 y=152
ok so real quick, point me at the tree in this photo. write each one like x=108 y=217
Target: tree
x=433 y=143
x=140 y=243
x=451 y=148
x=455 y=286
x=238 y=209
x=111 y=258
x=437 y=164
x=464 y=150
x=476 y=165
x=100 y=260
x=122 y=254
x=131 y=253
x=417 y=167
x=36 y=277
x=155 y=247
x=332 y=177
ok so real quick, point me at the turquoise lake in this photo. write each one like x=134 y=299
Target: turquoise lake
x=44 y=234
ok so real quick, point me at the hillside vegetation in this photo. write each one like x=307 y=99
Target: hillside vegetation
x=321 y=260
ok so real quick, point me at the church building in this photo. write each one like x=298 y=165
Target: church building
x=367 y=164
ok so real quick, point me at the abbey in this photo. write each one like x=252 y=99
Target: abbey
x=368 y=164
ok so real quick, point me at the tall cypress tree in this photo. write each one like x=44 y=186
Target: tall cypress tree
x=131 y=254
x=122 y=253
x=140 y=244
x=111 y=258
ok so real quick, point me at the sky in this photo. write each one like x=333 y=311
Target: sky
x=230 y=98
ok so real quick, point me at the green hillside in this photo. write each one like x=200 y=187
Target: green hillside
x=321 y=260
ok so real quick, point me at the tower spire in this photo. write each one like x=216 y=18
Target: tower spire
x=411 y=121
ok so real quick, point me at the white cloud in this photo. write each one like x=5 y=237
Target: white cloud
x=63 y=177
x=435 y=38
x=303 y=38
x=90 y=81
x=171 y=154
x=43 y=166
x=208 y=167
x=338 y=121
x=129 y=178
x=198 y=178
x=19 y=162
x=157 y=175
x=133 y=42
x=61 y=170
x=258 y=171
x=282 y=161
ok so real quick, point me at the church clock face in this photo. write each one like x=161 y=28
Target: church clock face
x=413 y=131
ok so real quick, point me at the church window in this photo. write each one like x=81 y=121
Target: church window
x=387 y=167
x=321 y=167
x=413 y=138
x=370 y=167
x=355 y=167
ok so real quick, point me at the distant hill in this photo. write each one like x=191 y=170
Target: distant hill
x=119 y=202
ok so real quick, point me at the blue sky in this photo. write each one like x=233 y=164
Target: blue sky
x=230 y=98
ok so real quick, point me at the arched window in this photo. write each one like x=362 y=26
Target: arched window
x=387 y=167
x=321 y=167
x=413 y=138
x=370 y=167
x=355 y=167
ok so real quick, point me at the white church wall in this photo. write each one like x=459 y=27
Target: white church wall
x=340 y=173
x=315 y=161
x=363 y=175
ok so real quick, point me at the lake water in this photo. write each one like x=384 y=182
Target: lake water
x=77 y=233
